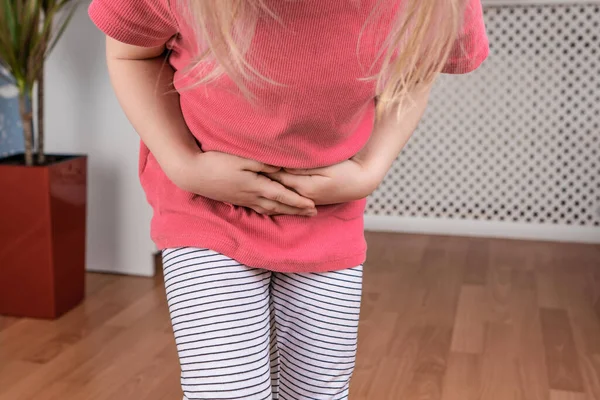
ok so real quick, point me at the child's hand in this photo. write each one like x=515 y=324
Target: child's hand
x=339 y=183
x=239 y=181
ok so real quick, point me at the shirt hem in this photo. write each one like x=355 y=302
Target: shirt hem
x=225 y=247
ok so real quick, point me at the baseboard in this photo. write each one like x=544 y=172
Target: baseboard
x=512 y=230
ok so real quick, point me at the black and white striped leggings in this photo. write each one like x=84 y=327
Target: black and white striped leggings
x=245 y=333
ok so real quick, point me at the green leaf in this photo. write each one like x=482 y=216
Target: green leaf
x=62 y=26
x=29 y=30
x=28 y=27
x=9 y=19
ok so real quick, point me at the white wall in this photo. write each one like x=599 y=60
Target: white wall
x=83 y=116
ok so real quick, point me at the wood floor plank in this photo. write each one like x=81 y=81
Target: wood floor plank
x=409 y=304
x=469 y=325
x=373 y=341
x=477 y=262
x=515 y=254
x=576 y=293
x=440 y=281
x=43 y=352
x=21 y=335
x=590 y=370
x=547 y=292
x=499 y=376
x=396 y=369
x=41 y=340
x=12 y=372
x=6 y=321
x=462 y=380
x=390 y=250
x=123 y=369
x=167 y=388
x=597 y=308
x=530 y=361
x=499 y=284
x=561 y=395
x=88 y=377
x=584 y=323
x=562 y=359
x=388 y=380
x=361 y=382
x=87 y=346
x=524 y=280
x=152 y=300
x=62 y=365
x=430 y=364
x=95 y=281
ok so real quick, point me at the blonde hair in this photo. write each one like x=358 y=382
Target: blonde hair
x=413 y=54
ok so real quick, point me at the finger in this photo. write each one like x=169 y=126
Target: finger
x=257 y=166
x=277 y=192
x=260 y=210
x=269 y=169
x=273 y=208
x=304 y=185
x=305 y=172
x=286 y=179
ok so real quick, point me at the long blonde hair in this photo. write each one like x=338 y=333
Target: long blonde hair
x=412 y=55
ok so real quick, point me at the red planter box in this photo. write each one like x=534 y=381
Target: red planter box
x=42 y=236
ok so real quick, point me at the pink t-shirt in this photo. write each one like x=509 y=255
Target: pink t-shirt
x=322 y=115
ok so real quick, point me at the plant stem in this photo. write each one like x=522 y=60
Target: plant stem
x=41 y=156
x=26 y=119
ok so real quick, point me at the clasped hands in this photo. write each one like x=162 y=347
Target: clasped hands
x=271 y=190
x=339 y=183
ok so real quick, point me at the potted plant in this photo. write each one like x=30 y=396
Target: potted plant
x=42 y=197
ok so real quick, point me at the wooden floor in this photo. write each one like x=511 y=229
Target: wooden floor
x=443 y=318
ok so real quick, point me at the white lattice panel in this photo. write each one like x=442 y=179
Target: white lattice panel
x=519 y=139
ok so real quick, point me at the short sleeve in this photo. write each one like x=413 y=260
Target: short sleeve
x=144 y=23
x=471 y=46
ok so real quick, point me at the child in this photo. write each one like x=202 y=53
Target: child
x=263 y=132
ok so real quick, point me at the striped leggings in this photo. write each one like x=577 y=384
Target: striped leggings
x=245 y=333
